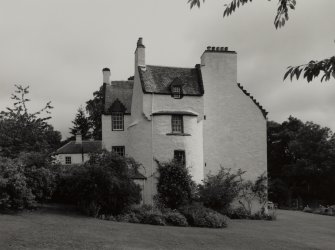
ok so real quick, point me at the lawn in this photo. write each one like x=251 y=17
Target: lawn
x=53 y=229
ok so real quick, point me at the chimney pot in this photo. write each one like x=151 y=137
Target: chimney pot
x=226 y=48
x=208 y=47
x=140 y=43
x=78 y=139
x=217 y=48
x=213 y=48
x=106 y=73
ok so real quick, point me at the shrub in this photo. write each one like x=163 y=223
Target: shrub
x=200 y=216
x=129 y=217
x=238 y=213
x=175 y=218
x=153 y=218
x=219 y=191
x=100 y=186
x=14 y=190
x=174 y=185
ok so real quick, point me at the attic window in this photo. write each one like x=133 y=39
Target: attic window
x=176 y=92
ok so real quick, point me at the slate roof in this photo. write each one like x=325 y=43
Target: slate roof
x=264 y=112
x=158 y=79
x=86 y=147
x=121 y=90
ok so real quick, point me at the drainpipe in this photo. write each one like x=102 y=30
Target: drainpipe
x=152 y=147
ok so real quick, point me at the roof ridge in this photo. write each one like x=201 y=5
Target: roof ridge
x=175 y=67
x=264 y=112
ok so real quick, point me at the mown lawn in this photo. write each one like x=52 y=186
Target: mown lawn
x=50 y=229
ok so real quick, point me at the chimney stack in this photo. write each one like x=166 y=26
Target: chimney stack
x=106 y=75
x=140 y=53
x=78 y=139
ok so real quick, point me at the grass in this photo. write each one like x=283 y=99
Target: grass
x=53 y=229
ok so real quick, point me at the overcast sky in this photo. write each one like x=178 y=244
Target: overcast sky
x=59 y=48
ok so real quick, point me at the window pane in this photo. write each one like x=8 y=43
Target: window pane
x=177 y=124
x=117 y=121
x=119 y=150
x=68 y=160
x=179 y=156
x=176 y=92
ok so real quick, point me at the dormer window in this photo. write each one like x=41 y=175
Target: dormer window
x=176 y=92
x=176 y=88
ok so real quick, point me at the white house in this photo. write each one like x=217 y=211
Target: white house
x=200 y=116
x=77 y=152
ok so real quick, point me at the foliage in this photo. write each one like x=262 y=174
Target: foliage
x=81 y=124
x=175 y=218
x=238 y=213
x=220 y=190
x=301 y=162
x=252 y=191
x=200 y=216
x=14 y=190
x=174 y=185
x=311 y=69
x=94 y=107
x=101 y=186
x=22 y=131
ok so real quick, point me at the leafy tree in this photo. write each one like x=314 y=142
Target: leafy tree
x=81 y=124
x=311 y=69
x=301 y=162
x=94 y=107
x=22 y=131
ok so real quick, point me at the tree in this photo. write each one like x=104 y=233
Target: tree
x=301 y=162
x=81 y=124
x=94 y=107
x=313 y=68
x=22 y=131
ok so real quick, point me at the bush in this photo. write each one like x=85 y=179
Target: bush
x=100 y=186
x=175 y=218
x=174 y=185
x=129 y=217
x=219 y=191
x=15 y=193
x=200 y=216
x=238 y=213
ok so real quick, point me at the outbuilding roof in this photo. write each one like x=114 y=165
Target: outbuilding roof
x=158 y=79
x=78 y=148
x=121 y=91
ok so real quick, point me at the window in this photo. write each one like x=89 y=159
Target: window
x=119 y=150
x=176 y=92
x=177 y=124
x=179 y=156
x=117 y=121
x=68 y=160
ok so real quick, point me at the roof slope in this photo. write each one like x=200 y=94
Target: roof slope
x=77 y=148
x=121 y=90
x=264 y=112
x=157 y=79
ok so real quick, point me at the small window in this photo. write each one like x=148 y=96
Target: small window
x=179 y=156
x=119 y=150
x=68 y=160
x=176 y=92
x=117 y=121
x=177 y=124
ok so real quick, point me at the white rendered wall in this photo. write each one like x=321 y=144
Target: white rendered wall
x=75 y=158
x=234 y=129
x=114 y=138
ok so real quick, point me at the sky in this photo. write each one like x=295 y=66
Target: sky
x=59 y=49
